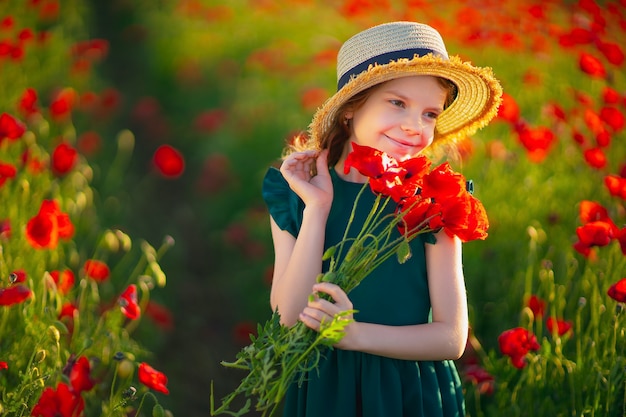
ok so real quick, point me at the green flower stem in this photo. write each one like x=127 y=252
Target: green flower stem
x=112 y=389
x=350 y=221
x=143 y=398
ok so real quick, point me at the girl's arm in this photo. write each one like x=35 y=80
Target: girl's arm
x=298 y=261
x=444 y=338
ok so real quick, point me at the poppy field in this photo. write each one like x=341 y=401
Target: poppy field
x=135 y=251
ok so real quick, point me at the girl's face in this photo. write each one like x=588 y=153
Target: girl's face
x=399 y=116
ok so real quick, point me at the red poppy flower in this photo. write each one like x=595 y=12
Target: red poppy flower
x=414 y=172
x=79 y=376
x=484 y=381
x=242 y=332
x=49 y=225
x=62 y=402
x=64 y=158
x=590 y=211
x=28 y=102
x=386 y=175
x=509 y=110
x=595 y=158
x=25 y=35
x=537 y=141
x=33 y=164
x=62 y=104
x=14 y=294
x=617 y=291
x=595 y=233
x=10 y=127
x=612 y=51
x=603 y=139
x=465 y=217
x=209 y=121
x=583 y=249
x=110 y=100
x=64 y=280
x=583 y=99
x=418 y=214
x=313 y=97
x=593 y=121
x=93 y=50
x=3 y=365
x=355 y=8
x=443 y=183
x=152 y=378
x=555 y=111
x=517 y=343
x=96 y=270
x=561 y=326
x=128 y=302
x=7 y=172
x=610 y=96
x=17 y=52
x=49 y=10
x=616 y=185
x=67 y=310
x=160 y=315
x=169 y=161
x=215 y=175
x=5 y=229
x=577 y=36
x=89 y=143
x=17 y=276
x=613 y=117
x=536 y=305
x=370 y=162
x=591 y=65
x=579 y=138
x=7 y=23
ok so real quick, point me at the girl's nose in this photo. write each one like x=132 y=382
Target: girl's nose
x=411 y=125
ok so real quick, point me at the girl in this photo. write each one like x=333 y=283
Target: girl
x=400 y=93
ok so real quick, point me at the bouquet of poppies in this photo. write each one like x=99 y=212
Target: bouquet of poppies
x=427 y=200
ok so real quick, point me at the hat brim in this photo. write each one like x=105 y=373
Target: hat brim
x=478 y=97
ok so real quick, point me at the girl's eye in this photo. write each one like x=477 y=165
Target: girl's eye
x=398 y=103
x=432 y=115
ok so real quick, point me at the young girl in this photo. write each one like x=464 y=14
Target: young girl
x=400 y=93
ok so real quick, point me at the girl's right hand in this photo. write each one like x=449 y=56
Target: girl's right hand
x=316 y=190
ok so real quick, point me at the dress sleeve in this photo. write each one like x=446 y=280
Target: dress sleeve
x=429 y=238
x=283 y=204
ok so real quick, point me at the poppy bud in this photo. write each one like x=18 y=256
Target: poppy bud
x=125 y=368
x=54 y=334
x=157 y=411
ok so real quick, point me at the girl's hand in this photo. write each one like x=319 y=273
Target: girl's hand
x=319 y=309
x=316 y=190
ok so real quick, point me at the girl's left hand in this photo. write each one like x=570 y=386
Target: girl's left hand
x=319 y=309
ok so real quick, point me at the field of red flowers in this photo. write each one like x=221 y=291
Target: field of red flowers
x=128 y=126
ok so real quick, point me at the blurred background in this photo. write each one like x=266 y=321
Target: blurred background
x=221 y=86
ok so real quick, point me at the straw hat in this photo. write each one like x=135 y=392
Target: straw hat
x=401 y=49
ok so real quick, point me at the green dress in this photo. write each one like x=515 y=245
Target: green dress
x=357 y=384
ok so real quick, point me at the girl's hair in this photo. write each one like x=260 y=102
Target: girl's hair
x=339 y=133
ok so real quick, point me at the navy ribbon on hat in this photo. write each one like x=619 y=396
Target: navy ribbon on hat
x=384 y=59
